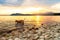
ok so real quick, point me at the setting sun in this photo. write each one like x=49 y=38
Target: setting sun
x=31 y=10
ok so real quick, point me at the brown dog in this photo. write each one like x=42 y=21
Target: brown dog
x=19 y=23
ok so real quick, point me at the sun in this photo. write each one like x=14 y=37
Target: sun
x=31 y=10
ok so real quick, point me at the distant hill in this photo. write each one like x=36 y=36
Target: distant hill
x=16 y=14
x=47 y=14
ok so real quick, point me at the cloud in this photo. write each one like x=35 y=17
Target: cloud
x=11 y=2
x=9 y=9
x=30 y=3
x=56 y=7
x=48 y=2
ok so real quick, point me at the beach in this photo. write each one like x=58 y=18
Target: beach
x=45 y=31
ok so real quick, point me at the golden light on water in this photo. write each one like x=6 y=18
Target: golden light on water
x=37 y=19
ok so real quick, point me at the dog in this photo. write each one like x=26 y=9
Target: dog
x=19 y=23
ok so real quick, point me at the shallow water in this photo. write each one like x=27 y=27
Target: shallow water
x=34 y=19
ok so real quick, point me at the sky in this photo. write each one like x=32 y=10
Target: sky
x=19 y=2
x=9 y=6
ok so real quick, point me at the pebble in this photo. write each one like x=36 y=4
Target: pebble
x=17 y=39
x=10 y=39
